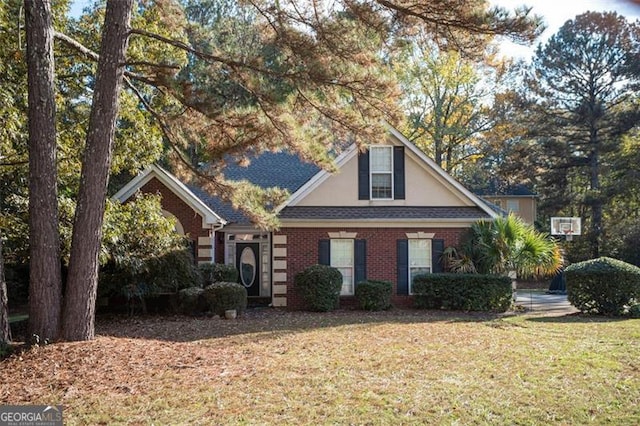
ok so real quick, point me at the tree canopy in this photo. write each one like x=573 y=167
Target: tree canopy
x=580 y=98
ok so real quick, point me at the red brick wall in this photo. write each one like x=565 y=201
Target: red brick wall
x=190 y=220
x=302 y=251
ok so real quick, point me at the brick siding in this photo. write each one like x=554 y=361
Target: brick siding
x=191 y=221
x=302 y=251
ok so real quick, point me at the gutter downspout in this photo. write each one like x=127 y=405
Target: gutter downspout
x=213 y=241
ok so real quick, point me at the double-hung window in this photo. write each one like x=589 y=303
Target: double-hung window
x=419 y=259
x=342 y=258
x=381 y=172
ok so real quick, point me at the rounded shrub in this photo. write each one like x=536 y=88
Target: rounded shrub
x=603 y=286
x=224 y=296
x=218 y=272
x=191 y=301
x=373 y=295
x=319 y=286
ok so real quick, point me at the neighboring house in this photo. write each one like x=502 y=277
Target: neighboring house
x=516 y=199
x=387 y=214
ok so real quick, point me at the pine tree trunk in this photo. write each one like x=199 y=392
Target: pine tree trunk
x=5 y=330
x=45 y=283
x=82 y=282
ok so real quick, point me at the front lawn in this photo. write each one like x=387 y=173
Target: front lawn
x=397 y=367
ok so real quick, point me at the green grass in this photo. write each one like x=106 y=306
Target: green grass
x=400 y=367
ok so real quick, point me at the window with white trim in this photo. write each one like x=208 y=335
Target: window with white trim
x=381 y=172
x=342 y=258
x=419 y=259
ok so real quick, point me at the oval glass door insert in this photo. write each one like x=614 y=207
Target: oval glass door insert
x=247 y=267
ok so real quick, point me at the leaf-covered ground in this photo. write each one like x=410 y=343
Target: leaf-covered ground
x=347 y=367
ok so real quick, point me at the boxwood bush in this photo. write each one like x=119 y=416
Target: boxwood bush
x=191 y=301
x=223 y=296
x=468 y=292
x=218 y=272
x=319 y=286
x=603 y=286
x=374 y=295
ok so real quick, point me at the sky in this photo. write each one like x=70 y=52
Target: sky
x=557 y=12
x=554 y=12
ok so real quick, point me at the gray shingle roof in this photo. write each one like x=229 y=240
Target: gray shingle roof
x=269 y=169
x=497 y=188
x=383 y=212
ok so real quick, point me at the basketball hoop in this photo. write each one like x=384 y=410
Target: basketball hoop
x=568 y=234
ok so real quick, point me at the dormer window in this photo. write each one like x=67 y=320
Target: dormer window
x=381 y=169
x=381 y=173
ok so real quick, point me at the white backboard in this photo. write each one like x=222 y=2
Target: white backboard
x=566 y=226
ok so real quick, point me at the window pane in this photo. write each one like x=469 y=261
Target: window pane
x=341 y=252
x=380 y=159
x=513 y=205
x=342 y=259
x=347 y=281
x=381 y=186
x=419 y=252
x=419 y=259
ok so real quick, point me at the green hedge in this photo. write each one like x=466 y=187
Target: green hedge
x=373 y=295
x=191 y=301
x=224 y=296
x=468 y=292
x=218 y=272
x=319 y=286
x=603 y=286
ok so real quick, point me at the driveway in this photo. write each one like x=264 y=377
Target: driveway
x=544 y=304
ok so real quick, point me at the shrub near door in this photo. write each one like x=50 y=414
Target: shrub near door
x=468 y=292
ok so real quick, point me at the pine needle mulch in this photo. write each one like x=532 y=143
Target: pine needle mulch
x=346 y=367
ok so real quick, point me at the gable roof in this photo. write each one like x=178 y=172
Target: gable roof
x=352 y=151
x=269 y=169
x=287 y=171
x=209 y=216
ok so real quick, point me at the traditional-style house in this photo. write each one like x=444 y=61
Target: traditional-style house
x=516 y=199
x=387 y=214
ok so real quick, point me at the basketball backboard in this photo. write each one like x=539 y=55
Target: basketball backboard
x=566 y=226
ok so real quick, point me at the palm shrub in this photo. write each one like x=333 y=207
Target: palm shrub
x=604 y=286
x=319 y=286
x=502 y=245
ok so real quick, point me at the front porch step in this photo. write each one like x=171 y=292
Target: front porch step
x=258 y=302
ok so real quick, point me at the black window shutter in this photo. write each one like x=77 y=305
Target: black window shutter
x=403 y=266
x=360 y=255
x=324 y=252
x=437 y=247
x=398 y=173
x=363 y=176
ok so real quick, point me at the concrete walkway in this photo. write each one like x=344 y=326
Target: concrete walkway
x=544 y=304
